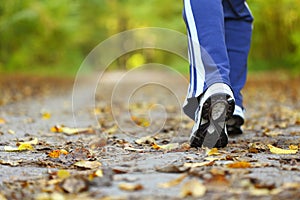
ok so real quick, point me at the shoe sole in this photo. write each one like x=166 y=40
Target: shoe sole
x=217 y=109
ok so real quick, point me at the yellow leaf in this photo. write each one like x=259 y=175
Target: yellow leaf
x=241 y=164
x=56 y=129
x=88 y=164
x=99 y=173
x=169 y=147
x=2 y=121
x=277 y=150
x=130 y=187
x=213 y=152
x=293 y=147
x=46 y=115
x=193 y=188
x=173 y=182
x=140 y=121
x=111 y=130
x=25 y=146
x=63 y=151
x=11 y=132
x=63 y=174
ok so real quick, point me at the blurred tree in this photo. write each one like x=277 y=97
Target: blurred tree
x=58 y=34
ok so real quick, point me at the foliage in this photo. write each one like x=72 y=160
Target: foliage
x=56 y=35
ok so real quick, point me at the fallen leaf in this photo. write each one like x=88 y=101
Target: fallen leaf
x=25 y=146
x=202 y=164
x=213 y=152
x=35 y=141
x=88 y=164
x=192 y=188
x=241 y=164
x=10 y=163
x=46 y=115
x=173 y=182
x=130 y=187
x=2 y=197
x=57 y=153
x=293 y=147
x=168 y=147
x=56 y=129
x=134 y=149
x=171 y=168
x=145 y=140
x=63 y=174
x=70 y=131
x=2 y=121
x=11 y=132
x=111 y=130
x=277 y=150
x=11 y=149
x=140 y=121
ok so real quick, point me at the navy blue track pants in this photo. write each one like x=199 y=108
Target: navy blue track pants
x=219 y=33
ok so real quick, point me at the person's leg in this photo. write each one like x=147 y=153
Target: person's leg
x=209 y=72
x=207 y=50
x=238 y=31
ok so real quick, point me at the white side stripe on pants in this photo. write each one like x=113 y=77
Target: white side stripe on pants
x=199 y=76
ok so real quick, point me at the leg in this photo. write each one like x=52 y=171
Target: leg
x=238 y=31
x=209 y=63
x=210 y=100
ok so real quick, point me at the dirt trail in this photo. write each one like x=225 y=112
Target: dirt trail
x=137 y=148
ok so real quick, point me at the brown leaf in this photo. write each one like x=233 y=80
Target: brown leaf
x=173 y=182
x=192 y=188
x=241 y=164
x=171 y=168
x=202 y=164
x=168 y=147
x=130 y=187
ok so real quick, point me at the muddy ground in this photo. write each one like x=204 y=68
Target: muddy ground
x=138 y=149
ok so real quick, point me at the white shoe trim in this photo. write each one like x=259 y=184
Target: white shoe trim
x=239 y=112
x=214 y=89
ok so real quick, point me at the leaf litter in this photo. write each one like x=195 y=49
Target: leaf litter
x=81 y=164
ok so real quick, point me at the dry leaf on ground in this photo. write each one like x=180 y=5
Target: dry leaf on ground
x=213 y=152
x=193 y=165
x=277 y=150
x=35 y=141
x=130 y=187
x=168 y=147
x=241 y=164
x=192 y=188
x=173 y=182
x=2 y=121
x=88 y=164
x=57 y=153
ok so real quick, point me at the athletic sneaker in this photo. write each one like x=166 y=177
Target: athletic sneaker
x=234 y=124
x=215 y=108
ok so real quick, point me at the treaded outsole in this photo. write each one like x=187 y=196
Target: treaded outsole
x=222 y=138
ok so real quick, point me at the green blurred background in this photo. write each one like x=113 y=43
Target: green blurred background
x=52 y=37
